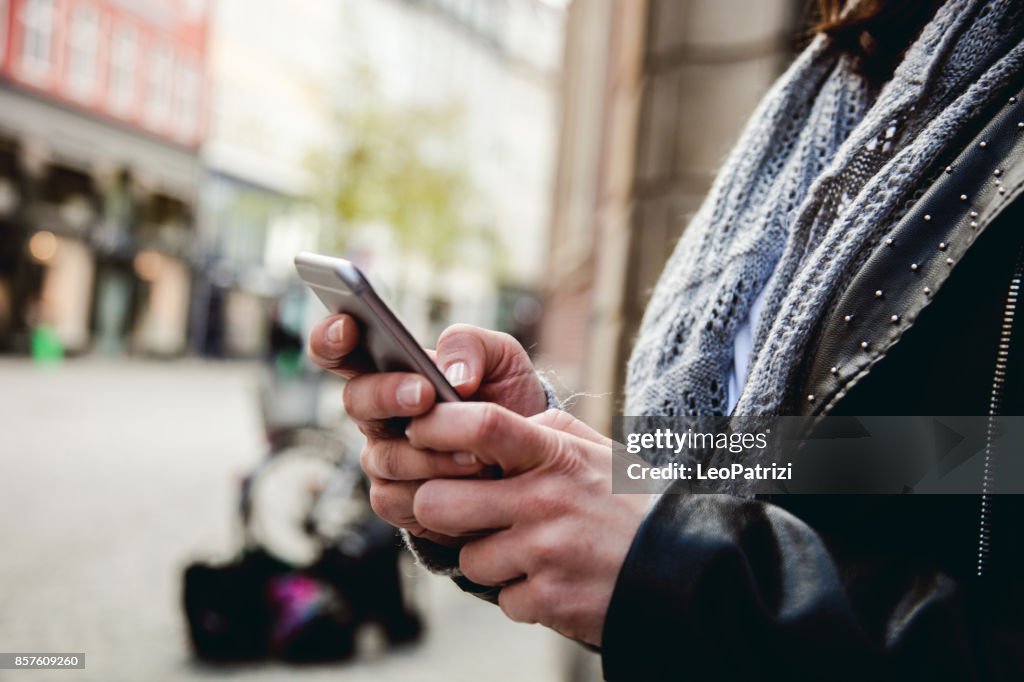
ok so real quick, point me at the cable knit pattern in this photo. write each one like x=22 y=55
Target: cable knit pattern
x=824 y=167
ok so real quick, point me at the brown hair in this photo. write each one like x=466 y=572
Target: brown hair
x=876 y=32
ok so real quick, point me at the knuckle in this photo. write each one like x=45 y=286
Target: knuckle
x=565 y=456
x=379 y=460
x=366 y=459
x=456 y=330
x=553 y=418
x=469 y=562
x=506 y=341
x=511 y=603
x=546 y=548
x=488 y=423
x=553 y=604
x=380 y=500
x=559 y=419
x=387 y=462
x=547 y=499
x=547 y=595
x=390 y=503
x=348 y=398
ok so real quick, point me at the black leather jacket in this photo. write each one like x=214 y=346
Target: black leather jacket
x=864 y=587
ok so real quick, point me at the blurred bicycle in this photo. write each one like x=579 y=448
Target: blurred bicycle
x=316 y=564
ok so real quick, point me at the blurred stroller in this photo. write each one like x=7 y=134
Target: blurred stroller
x=316 y=563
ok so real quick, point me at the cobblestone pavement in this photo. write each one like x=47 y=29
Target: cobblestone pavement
x=114 y=474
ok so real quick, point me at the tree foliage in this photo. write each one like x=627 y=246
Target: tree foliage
x=398 y=169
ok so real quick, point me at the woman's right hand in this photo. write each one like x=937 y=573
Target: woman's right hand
x=480 y=364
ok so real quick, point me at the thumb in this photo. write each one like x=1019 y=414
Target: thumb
x=462 y=354
x=493 y=433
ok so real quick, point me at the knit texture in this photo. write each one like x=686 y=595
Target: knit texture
x=824 y=168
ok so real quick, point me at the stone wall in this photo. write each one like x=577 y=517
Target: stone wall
x=680 y=78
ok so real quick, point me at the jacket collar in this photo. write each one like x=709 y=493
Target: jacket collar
x=907 y=269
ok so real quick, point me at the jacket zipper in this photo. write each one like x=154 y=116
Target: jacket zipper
x=995 y=408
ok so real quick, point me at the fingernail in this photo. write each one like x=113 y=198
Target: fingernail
x=457 y=374
x=409 y=392
x=335 y=332
x=464 y=458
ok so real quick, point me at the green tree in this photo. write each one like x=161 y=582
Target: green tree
x=397 y=169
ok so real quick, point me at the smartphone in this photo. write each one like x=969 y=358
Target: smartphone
x=390 y=347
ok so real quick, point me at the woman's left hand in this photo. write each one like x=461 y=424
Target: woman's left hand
x=556 y=536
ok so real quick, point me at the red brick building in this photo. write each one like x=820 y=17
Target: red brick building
x=138 y=63
x=102 y=112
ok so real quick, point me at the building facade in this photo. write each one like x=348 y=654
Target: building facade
x=102 y=111
x=274 y=70
x=496 y=66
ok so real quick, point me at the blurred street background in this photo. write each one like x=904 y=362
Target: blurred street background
x=524 y=165
x=96 y=529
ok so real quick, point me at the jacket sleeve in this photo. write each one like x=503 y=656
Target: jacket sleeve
x=717 y=587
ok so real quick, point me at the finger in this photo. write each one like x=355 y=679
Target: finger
x=462 y=355
x=560 y=420
x=467 y=354
x=393 y=502
x=395 y=459
x=333 y=342
x=465 y=507
x=493 y=559
x=491 y=432
x=378 y=396
x=519 y=602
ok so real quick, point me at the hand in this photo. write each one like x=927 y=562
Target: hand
x=480 y=364
x=558 y=536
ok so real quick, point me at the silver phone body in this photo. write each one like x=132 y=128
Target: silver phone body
x=391 y=348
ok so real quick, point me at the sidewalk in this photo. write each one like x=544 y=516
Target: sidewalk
x=113 y=475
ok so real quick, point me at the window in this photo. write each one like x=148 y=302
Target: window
x=158 y=88
x=37 y=43
x=123 y=56
x=187 y=102
x=82 y=45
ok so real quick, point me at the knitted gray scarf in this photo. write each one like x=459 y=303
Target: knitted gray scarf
x=824 y=168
